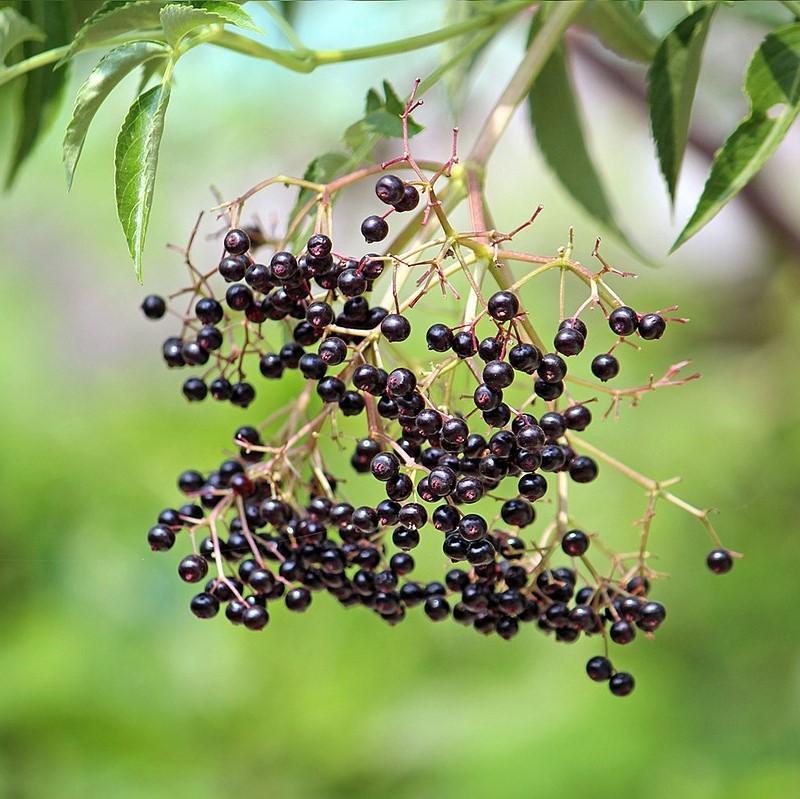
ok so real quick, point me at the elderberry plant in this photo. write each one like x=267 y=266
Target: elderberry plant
x=477 y=446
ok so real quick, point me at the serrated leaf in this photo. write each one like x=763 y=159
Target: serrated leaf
x=382 y=118
x=110 y=70
x=772 y=85
x=118 y=17
x=135 y=163
x=44 y=88
x=114 y=18
x=15 y=29
x=179 y=19
x=394 y=105
x=672 y=81
x=374 y=101
x=619 y=28
x=558 y=127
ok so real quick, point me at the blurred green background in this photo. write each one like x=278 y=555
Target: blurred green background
x=109 y=687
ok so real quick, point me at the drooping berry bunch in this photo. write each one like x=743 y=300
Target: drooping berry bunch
x=469 y=441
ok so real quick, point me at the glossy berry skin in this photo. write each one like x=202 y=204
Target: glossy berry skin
x=319 y=245
x=232 y=268
x=651 y=616
x=237 y=242
x=623 y=321
x=621 y=684
x=532 y=486
x=719 y=561
x=400 y=383
x=242 y=394
x=553 y=424
x=194 y=389
x=192 y=569
x=153 y=306
x=385 y=466
x=439 y=338
x=575 y=543
x=332 y=351
x=582 y=469
x=651 y=326
x=568 y=341
x=409 y=201
x=551 y=369
x=574 y=323
x=160 y=538
x=599 y=669
x=464 y=344
x=487 y=398
x=524 y=358
x=490 y=348
x=239 y=297
x=498 y=374
x=548 y=391
x=622 y=632
x=577 y=417
x=373 y=228
x=503 y=305
x=389 y=189
x=204 y=606
x=208 y=311
x=255 y=618
x=436 y=608
x=320 y=314
x=298 y=599
x=605 y=367
x=396 y=327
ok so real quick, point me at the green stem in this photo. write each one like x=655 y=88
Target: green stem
x=422 y=40
x=308 y=61
x=34 y=62
x=539 y=51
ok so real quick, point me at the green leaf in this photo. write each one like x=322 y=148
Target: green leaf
x=179 y=19
x=556 y=121
x=620 y=28
x=114 y=18
x=136 y=161
x=154 y=68
x=44 y=88
x=111 y=69
x=382 y=119
x=673 y=79
x=118 y=17
x=772 y=85
x=15 y=29
x=637 y=6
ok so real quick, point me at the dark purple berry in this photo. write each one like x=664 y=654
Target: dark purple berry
x=374 y=228
x=153 y=306
x=389 y=189
x=605 y=367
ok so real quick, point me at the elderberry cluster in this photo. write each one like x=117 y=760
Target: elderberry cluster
x=468 y=470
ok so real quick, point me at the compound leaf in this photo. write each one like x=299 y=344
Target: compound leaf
x=772 y=85
x=673 y=79
x=110 y=70
x=620 y=28
x=136 y=161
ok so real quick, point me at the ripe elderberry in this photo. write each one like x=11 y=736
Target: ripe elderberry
x=374 y=228
x=459 y=447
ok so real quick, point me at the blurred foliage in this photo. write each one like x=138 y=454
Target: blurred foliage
x=111 y=688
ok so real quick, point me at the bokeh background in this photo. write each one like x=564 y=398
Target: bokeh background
x=109 y=687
